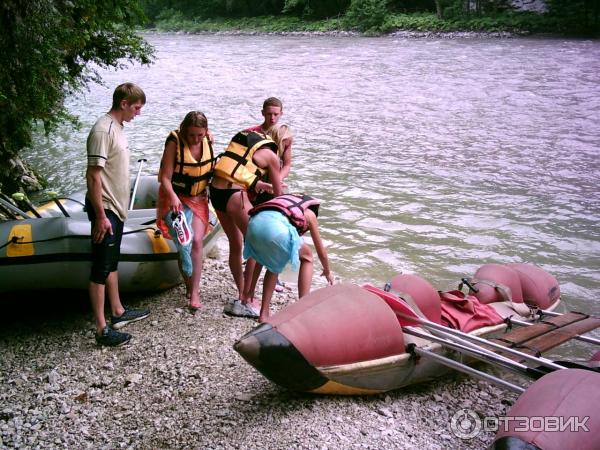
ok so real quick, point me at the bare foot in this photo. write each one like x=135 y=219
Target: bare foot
x=195 y=302
x=262 y=319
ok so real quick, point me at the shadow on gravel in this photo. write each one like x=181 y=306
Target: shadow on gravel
x=273 y=399
x=64 y=310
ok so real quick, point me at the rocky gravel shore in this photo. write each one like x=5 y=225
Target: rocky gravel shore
x=180 y=384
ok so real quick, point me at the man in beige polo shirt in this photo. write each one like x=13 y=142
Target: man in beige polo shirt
x=106 y=201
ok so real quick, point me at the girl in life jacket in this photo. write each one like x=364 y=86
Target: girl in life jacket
x=185 y=170
x=238 y=174
x=273 y=239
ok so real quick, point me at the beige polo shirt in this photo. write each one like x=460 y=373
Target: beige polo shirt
x=107 y=147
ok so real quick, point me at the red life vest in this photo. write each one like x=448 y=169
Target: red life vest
x=292 y=206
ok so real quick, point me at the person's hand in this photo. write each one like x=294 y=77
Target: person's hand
x=176 y=205
x=262 y=186
x=328 y=276
x=101 y=227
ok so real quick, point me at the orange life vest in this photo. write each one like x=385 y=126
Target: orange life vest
x=236 y=165
x=190 y=176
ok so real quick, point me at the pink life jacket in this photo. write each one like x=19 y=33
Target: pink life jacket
x=292 y=206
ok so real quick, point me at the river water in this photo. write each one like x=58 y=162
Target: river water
x=431 y=156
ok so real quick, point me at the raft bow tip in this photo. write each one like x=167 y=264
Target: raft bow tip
x=249 y=348
x=271 y=353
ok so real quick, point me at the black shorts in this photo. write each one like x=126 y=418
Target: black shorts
x=220 y=197
x=106 y=254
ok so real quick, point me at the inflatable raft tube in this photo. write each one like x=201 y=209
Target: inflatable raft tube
x=537 y=286
x=346 y=340
x=53 y=252
x=566 y=399
x=334 y=326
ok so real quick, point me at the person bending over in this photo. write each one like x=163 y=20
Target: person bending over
x=239 y=172
x=273 y=239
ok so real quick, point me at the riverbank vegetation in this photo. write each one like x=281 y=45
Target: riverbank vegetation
x=567 y=17
x=52 y=49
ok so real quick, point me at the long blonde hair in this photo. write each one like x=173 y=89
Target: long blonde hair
x=280 y=132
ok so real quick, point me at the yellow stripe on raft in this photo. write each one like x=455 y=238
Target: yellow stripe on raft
x=23 y=233
x=44 y=208
x=333 y=387
x=159 y=243
x=48 y=205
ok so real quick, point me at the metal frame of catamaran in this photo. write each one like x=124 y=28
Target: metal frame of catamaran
x=428 y=349
x=474 y=347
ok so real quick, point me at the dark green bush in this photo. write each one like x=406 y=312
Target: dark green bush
x=366 y=15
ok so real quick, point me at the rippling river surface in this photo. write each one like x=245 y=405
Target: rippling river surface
x=431 y=156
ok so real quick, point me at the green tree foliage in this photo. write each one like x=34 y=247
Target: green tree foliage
x=316 y=9
x=367 y=15
x=52 y=48
x=313 y=9
x=565 y=16
x=581 y=17
x=190 y=9
x=412 y=6
x=465 y=8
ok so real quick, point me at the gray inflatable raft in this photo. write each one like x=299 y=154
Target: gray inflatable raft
x=53 y=252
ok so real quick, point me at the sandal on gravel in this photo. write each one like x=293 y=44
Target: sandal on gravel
x=228 y=308
x=279 y=286
x=238 y=309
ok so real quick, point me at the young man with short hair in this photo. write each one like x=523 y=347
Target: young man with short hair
x=107 y=199
x=271 y=111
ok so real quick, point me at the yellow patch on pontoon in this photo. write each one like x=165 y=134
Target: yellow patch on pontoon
x=159 y=243
x=333 y=387
x=49 y=205
x=23 y=233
